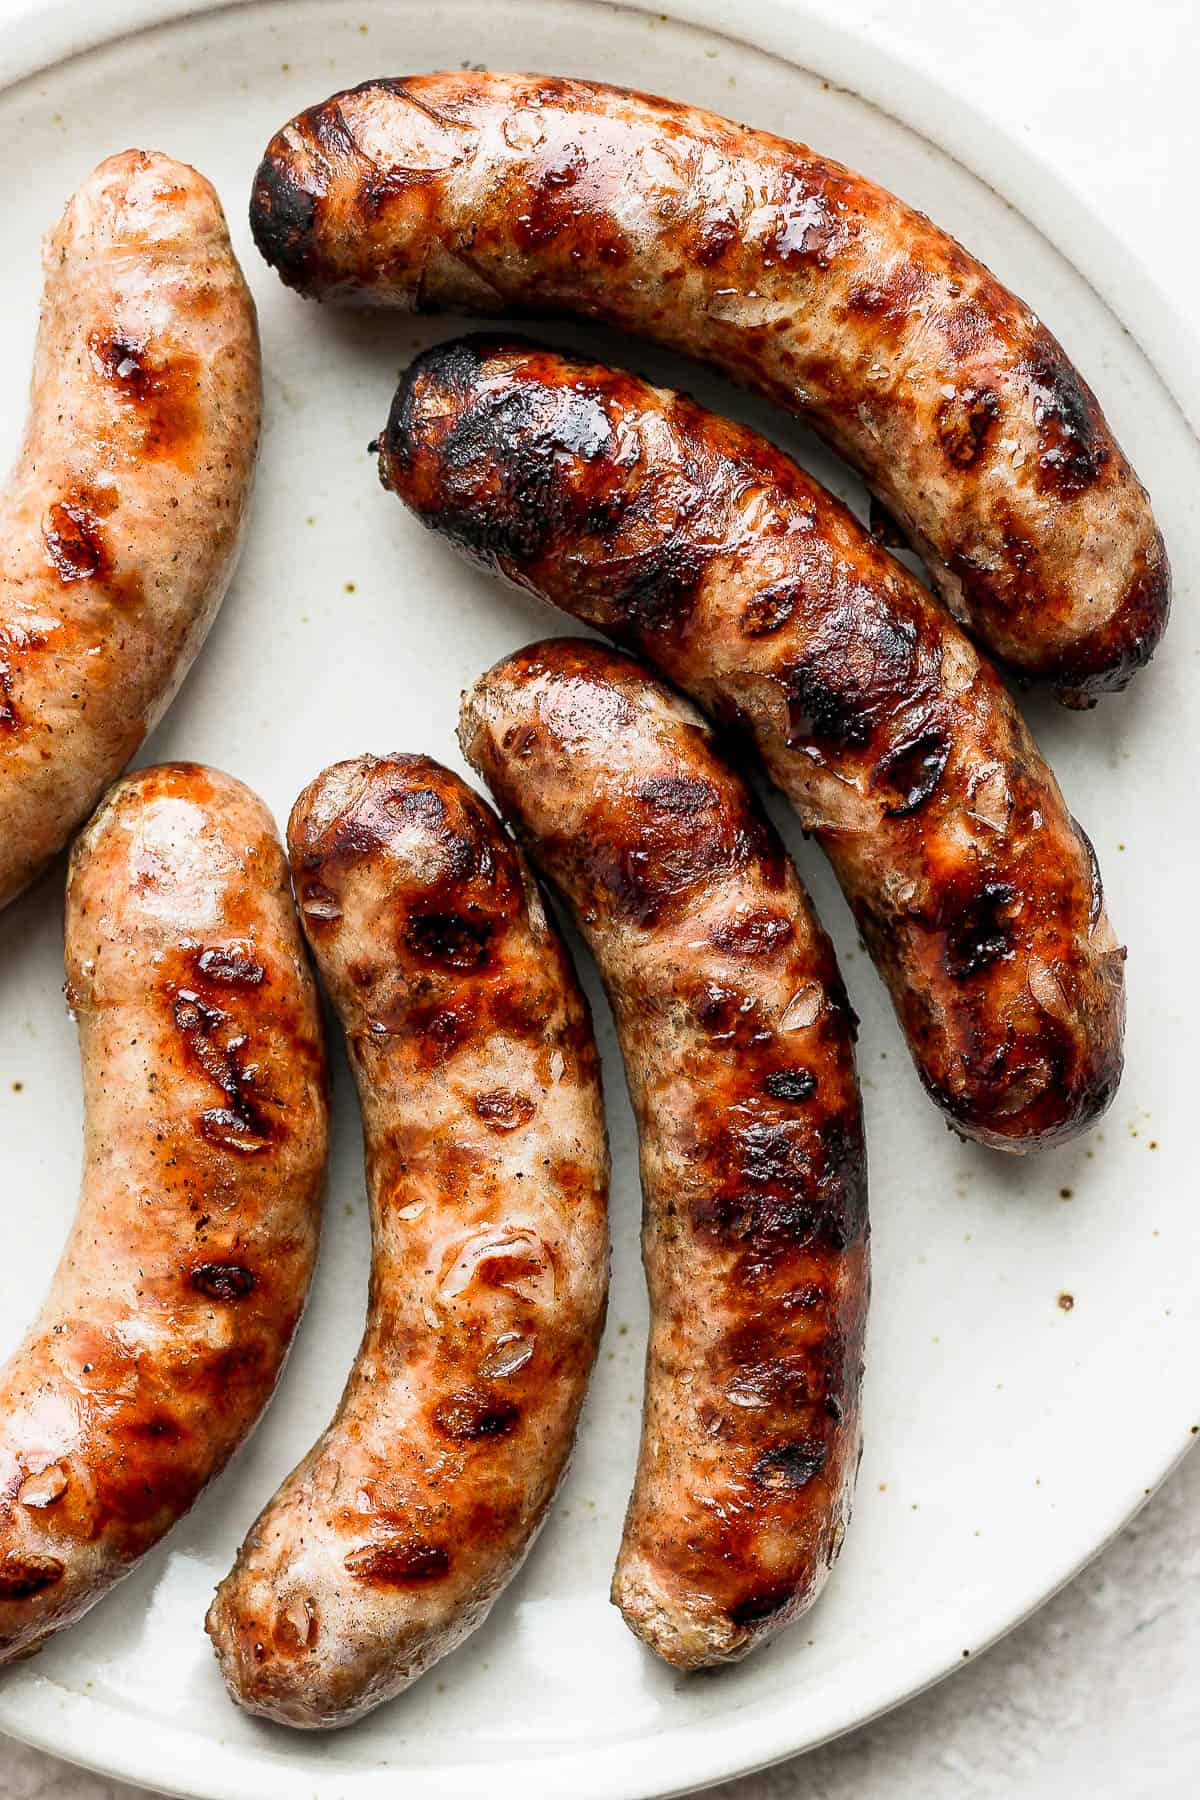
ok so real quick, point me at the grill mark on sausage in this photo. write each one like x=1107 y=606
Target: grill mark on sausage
x=222 y=1281
x=501 y=489
x=790 y=1084
x=730 y=1017
x=23 y=1576
x=75 y=542
x=1073 y=443
x=398 y=1562
x=333 y=135
x=887 y=305
x=915 y=767
x=821 y=711
x=977 y=932
x=756 y=933
x=656 y=589
x=8 y=712
x=809 y=229
x=770 y=609
x=77 y=546
x=240 y=1125
x=678 y=794
x=765 y=1225
x=714 y=234
x=764 y=1604
x=502 y=1110
x=231 y=968
x=648 y=868
x=361 y=831
x=966 y=424
x=791 y=1465
x=780 y=1187
x=282 y=217
x=449 y=940
x=842 y=1187
x=564 y=197
x=161 y=390
x=473 y=1414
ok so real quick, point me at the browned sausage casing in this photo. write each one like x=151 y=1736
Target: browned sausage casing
x=487 y=1167
x=738 y=1045
x=120 y=526
x=187 y=1270
x=502 y=193
x=696 y=542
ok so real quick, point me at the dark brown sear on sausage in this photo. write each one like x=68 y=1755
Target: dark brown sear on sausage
x=738 y=1046
x=487 y=1173
x=697 y=543
x=496 y=193
x=188 y=1266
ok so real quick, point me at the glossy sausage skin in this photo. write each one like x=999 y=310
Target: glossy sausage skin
x=120 y=525
x=738 y=1046
x=503 y=193
x=487 y=1169
x=695 y=542
x=206 y=1133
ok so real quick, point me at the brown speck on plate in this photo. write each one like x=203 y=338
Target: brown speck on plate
x=1066 y=1301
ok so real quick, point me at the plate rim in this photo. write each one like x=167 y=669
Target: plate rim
x=42 y=34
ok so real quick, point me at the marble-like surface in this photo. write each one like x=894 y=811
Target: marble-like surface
x=1093 y=1694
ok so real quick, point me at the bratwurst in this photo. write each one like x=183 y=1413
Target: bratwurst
x=698 y=544
x=206 y=1133
x=738 y=1046
x=504 y=193
x=120 y=526
x=487 y=1168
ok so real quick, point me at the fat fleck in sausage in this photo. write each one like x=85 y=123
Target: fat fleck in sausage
x=697 y=543
x=738 y=1045
x=502 y=193
x=120 y=526
x=188 y=1266
x=487 y=1168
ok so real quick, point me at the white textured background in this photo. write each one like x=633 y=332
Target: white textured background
x=1093 y=1696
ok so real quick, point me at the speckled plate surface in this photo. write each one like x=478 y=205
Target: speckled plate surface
x=1036 y=1326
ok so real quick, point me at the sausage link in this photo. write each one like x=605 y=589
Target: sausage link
x=120 y=526
x=695 y=542
x=738 y=1045
x=206 y=1133
x=487 y=1167
x=507 y=193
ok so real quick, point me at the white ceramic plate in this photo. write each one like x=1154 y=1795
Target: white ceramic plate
x=1007 y=1437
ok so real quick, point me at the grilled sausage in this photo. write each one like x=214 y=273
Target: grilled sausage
x=738 y=1045
x=120 y=526
x=502 y=193
x=487 y=1167
x=206 y=1131
x=698 y=544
